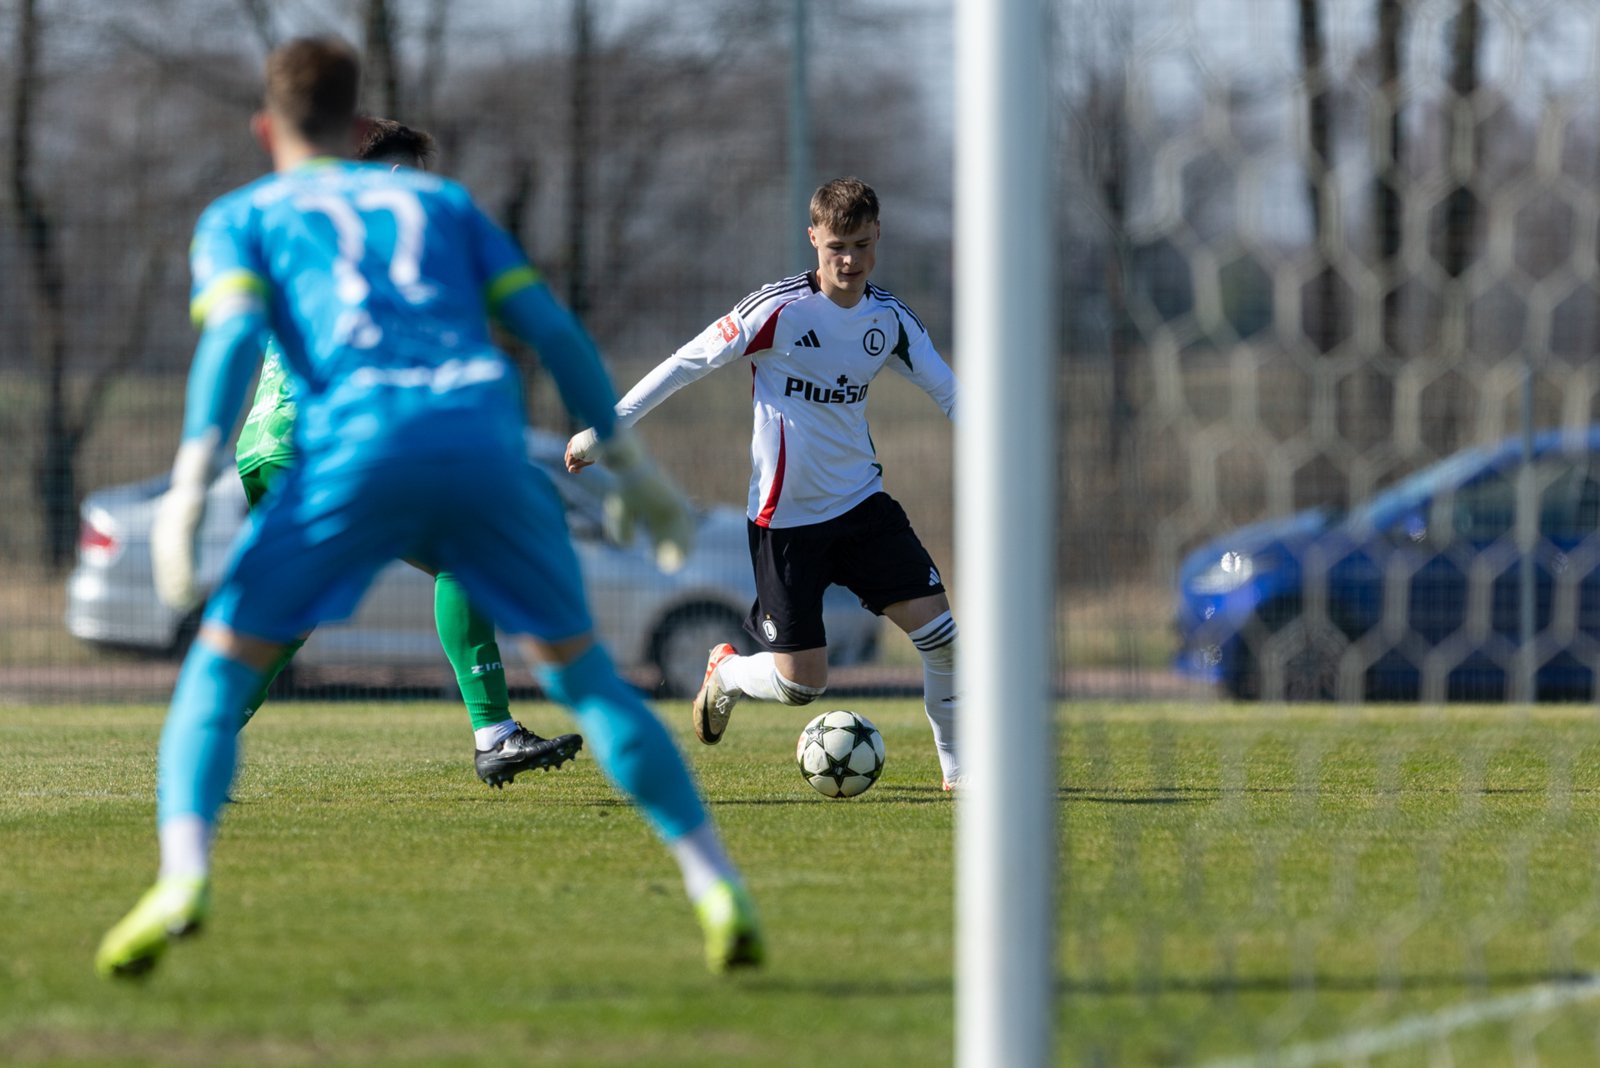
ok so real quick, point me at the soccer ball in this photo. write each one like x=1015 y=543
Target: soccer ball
x=840 y=754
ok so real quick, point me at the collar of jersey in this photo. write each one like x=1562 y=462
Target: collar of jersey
x=318 y=161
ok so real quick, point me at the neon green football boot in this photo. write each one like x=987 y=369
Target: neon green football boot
x=733 y=934
x=174 y=907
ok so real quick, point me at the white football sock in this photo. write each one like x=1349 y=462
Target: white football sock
x=486 y=738
x=757 y=676
x=936 y=641
x=185 y=847
x=702 y=860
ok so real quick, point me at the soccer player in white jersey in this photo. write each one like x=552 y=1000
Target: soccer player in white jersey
x=818 y=513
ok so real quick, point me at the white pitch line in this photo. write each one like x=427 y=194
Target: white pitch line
x=1366 y=1043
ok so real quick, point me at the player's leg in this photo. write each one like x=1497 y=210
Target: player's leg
x=517 y=564
x=252 y=614
x=639 y=757
x=503 y=748
x=885 y=564
x=792 y=568
x=196 y=764
x=257 y=481
x=932 y=629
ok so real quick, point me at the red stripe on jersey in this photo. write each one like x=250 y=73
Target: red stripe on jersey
x=769 y=329
x=765 y=518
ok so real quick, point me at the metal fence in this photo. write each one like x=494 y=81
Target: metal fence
x=1329 y=303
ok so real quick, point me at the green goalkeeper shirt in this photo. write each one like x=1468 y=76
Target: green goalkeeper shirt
x=268 y=432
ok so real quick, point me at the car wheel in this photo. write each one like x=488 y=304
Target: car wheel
x=684 y=638
x=1311 y=654
x=1242 y=678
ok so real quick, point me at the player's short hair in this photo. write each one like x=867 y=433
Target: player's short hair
x=844 y=205
x=312 y=83
x=388 y=141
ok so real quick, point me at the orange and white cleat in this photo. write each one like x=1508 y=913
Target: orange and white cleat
x=713 y=705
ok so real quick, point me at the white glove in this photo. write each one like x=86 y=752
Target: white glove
x=175 y=530
x=644 y=495
x=580 y=449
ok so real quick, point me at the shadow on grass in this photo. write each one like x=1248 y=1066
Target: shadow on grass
x=1205 y=986
x=1176 y=795
x=1224 y=985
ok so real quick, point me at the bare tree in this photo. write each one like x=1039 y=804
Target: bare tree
x=1461 y=148
x=65 y=420
x=580 y=142
x=433 y=53
x=1388 y=169
x=380 y=75
x=259 y=15
x=1326 y=311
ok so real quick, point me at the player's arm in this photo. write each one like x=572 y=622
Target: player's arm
x=718 y=344
x=229 y=306
x=916 y=358
x=526 y=307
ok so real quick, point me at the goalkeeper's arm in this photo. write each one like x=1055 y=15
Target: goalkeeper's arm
x=224 y=360
x=643 y=495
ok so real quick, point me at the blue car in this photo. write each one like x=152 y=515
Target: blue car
x=1415 y=594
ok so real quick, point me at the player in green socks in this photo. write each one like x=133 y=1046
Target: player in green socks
x=503 y=747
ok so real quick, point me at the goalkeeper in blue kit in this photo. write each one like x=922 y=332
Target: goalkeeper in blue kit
x=375 y=283
x=266 y=449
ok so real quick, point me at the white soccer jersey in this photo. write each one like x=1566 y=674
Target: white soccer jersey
x=811 y=363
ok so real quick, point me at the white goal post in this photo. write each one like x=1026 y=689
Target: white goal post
x=1005 y=535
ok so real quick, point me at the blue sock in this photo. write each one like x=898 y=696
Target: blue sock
x=199 y=744
x=631 y=745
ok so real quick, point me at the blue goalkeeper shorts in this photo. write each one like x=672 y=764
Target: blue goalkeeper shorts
x=311 y=550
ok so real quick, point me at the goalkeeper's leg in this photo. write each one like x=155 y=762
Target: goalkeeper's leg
x=260 y=697
x=639 y=757
x=198 y=757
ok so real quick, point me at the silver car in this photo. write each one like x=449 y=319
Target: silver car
x=658 y=627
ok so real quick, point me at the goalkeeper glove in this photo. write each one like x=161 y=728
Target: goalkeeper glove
x=643 y=495
x=175 y=530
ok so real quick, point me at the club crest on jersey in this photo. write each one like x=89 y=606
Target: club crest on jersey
x=842 y=391
x=874 y=341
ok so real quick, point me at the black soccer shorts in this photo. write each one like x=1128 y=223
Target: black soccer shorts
x=871 y=551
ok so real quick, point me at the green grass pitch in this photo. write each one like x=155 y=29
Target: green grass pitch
x=1233 y=881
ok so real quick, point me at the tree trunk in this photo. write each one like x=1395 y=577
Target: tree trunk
x=1461 y=209
x=581 y=134
x=1113 y=178
x=1323 y=321
x=1389 y=169
x=1461 y=214
x=54 y=484
x=380 y=76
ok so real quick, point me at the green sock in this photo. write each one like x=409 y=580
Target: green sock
x=468 y=639
x=266 y=680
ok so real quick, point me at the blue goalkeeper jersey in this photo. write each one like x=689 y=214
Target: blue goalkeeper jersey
x=378 y=283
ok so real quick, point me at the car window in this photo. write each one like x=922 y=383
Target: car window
x=1569 y=506
x=1569 y=503
x=1485 y=509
